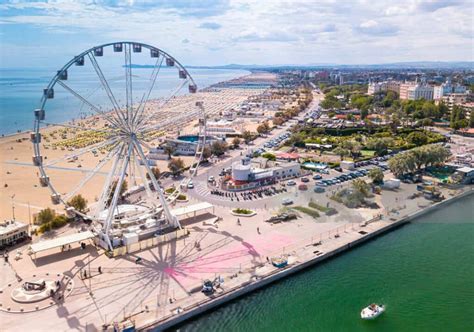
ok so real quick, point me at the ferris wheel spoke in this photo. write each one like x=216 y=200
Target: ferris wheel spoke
x=146 y=95
x=108 y=117
x=107 y=89
x=91 y=174
x=146 y=182
x=118 y=187
x=82 y=151
x=128 y=82
x=108 y=182
x=165 y=101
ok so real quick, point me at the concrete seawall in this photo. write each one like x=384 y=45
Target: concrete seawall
x=251 y=286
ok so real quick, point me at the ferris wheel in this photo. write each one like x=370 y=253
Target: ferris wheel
x=122 y=99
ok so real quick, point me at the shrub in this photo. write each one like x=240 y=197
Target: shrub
x=182 y=197
x=59 y=221
x=242 y=211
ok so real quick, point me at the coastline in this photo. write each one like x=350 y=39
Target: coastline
x=16 y=133
x=243 y=289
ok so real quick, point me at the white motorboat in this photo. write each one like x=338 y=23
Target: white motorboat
x=372 y=311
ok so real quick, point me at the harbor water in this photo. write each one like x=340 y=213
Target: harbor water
x=423 y=272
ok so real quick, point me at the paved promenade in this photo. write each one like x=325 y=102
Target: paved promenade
x=167 y=282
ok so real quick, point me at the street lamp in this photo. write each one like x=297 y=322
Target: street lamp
x=13 y=206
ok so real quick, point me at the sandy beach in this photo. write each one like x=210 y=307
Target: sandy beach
x=19 y=184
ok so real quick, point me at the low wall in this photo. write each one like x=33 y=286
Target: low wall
x=252 y=285
x=148 y=243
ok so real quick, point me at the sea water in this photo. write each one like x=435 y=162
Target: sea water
x=21 y=90
x=423 y=272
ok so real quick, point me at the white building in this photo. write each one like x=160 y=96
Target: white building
x=373 y=88
x=11 y=232
x=420 y=91
x=244 y=171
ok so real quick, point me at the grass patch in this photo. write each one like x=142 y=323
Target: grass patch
x=170 y=190
x=367 y=153
x=182 y=197
x=327 y=210
x=310 y=212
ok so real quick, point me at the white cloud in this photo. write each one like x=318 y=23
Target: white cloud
x=254 y=31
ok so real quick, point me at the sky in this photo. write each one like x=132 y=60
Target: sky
x=264 y=32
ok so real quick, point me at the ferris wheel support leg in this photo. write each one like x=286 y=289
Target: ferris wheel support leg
x=170 y=218
x=113 y=204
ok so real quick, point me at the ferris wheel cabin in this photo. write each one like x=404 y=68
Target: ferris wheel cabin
x=118 y=47
x=154 y=53
x=137 y=48
x=39 y=114
x=98 y=51
x=79 y=61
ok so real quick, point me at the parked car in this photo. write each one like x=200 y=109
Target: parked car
x=190 y=185
x=317 y=177
x=303 y=187
x=304 y=180
x=291 y=183
x=319 y=189
x=287 y=201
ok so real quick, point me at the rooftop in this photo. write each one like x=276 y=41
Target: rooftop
x=11 y=225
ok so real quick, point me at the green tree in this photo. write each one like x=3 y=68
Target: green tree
x=156 y=173
x=218 y=148
x=236 y=142
x=169 y=150
x=341 y=152
x=361 y=186
x=278 y=121
x=78 y=202
x=247 y=136
x=376 y=175
x=379 y=145
x=45 y=216
x=417 y=138
x=269 y=156
x=176 y=166
x=471 y=119
x=206 y=153
x=122 y=191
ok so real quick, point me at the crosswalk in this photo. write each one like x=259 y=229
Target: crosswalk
x=201 y=189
